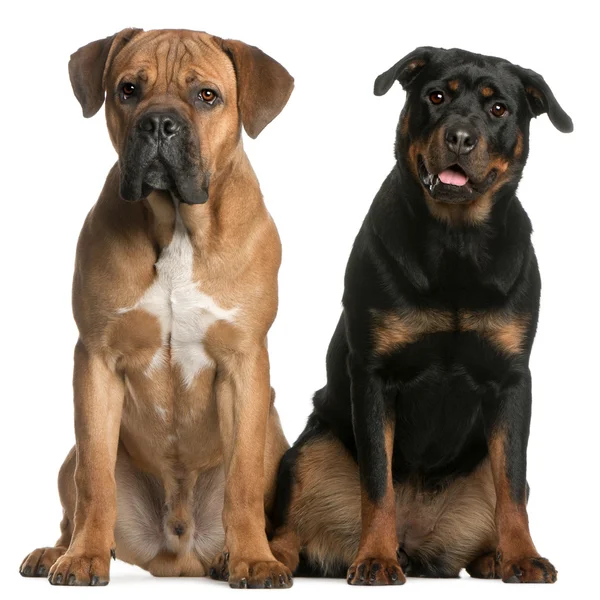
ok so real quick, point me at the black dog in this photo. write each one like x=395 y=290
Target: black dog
x=428 y=384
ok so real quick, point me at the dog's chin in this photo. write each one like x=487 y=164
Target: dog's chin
x=452 y=185
x=157 y=177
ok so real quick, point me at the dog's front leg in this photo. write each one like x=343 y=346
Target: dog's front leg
x=98 y=399
x=376 y=562
x=244 y=397
x=507 y=426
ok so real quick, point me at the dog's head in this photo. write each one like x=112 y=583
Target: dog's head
x=175 y=104
x=464 y=129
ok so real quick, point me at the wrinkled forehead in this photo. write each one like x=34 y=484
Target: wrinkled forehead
x=472 y=72
x=162 y=57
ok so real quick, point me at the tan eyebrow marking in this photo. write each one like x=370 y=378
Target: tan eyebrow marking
x=487 y=92
x=453 y=85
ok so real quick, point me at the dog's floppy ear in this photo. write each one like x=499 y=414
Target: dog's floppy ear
x=87 y=69
x=541 y=99
x=264 y=86
x=404 y=70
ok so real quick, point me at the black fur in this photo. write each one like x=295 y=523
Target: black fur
x=448 y=390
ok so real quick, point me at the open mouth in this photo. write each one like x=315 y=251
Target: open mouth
x=451 y=181
x=453 y=175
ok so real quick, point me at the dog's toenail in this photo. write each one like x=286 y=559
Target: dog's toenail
x=243 y=583
x=41 y=570
x=268 y=582
x=59 y=578
x=94 y=580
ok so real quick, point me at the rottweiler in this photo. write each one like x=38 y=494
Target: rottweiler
x=413 y=461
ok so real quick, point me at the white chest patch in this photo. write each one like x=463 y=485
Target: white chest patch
x=184 y=312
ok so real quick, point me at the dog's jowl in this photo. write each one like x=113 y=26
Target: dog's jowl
x=175 y=289
x=413 y=461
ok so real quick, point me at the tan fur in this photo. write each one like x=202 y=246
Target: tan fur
x=511 y=514
x=518 y=151
x=182 y=449
x=487 y=92
x=453 y=85
x=376 y=557
x=400 y=329
x=516 y=551
x=456 y=523
x=505 y=331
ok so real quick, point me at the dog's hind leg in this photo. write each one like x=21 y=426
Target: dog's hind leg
x=38 y=562
x=318 y=507
x=285 y=543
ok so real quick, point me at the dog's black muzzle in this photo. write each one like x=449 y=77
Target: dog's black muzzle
x=161 y=153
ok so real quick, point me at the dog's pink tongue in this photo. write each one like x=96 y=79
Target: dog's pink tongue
x=450 y=177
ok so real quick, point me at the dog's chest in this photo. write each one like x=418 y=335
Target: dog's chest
x=184 y=312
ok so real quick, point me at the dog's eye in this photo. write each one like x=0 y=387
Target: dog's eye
x=436 y=97
x=208 y=96
x=128 y=90
x=498 y=109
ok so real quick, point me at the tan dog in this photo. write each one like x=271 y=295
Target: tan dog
x=173 y=296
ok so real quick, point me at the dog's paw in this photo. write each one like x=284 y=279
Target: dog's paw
x=38 y=562
x=78 y=569
x=219 y=570
x=528 y=570
x=376 y=571
x=285 y=553
x=251 y=574
x=484 y=567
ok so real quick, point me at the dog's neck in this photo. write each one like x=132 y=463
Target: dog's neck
x=408 y=228
x=234 y=201
x=452 y=221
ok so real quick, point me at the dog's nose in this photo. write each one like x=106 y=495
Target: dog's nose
x=460 y=140
x=160 y=125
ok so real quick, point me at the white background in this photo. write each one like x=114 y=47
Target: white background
x=320 y=164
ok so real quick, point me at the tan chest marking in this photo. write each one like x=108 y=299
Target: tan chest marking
x=506 y=332
x=400 y=329
x=184 y=313
x=393 y=330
